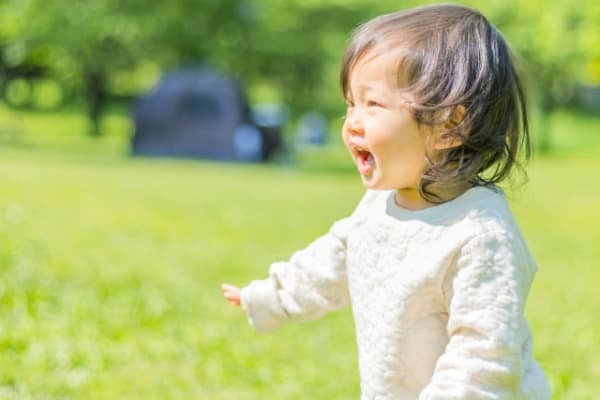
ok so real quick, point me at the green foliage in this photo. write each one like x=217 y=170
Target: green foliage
x=557 y=40
x=292 y=47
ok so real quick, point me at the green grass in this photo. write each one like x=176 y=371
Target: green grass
x=111 y=273
x=110 y=270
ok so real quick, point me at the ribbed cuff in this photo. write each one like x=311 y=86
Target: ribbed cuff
x=260 y=302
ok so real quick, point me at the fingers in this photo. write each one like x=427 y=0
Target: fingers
x=231 y=293
x=232 y=299
x=227 y=286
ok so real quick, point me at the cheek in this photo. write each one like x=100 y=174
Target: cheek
x=382 y=142
x=384 y=139
x=345 y=133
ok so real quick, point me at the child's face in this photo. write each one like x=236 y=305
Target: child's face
x=385 y=141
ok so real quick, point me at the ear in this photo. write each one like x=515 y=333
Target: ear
x=446 y=140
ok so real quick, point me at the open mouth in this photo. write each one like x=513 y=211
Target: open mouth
x=365 y=157
x=365 y=160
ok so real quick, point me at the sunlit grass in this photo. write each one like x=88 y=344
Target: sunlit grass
x=111 y=272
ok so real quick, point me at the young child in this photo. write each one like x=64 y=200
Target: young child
x=432 y=260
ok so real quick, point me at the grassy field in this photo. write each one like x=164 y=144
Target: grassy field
x=110 y=270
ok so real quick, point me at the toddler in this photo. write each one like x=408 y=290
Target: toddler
x=432 y=261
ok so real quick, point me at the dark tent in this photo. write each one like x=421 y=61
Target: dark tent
x=198 y=113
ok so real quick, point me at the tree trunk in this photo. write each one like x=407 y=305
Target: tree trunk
x=547 y=106
x=95 y=91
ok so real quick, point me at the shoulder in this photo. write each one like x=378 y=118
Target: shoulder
x=483 y=210
x=482 y=219
x=495 y=240
x=372 y=203
x=372 y=197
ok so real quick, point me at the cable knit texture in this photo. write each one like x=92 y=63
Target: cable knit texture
x=438 y=297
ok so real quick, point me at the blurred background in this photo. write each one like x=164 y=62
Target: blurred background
x=110 y=263
x=90 y=64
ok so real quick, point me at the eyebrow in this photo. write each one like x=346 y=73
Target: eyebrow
x=366 y=87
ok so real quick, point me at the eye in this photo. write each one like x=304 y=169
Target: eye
x=373 y=103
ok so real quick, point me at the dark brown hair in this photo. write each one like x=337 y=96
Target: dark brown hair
x=460 y=71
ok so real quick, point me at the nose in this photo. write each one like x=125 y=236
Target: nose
x=353 y=122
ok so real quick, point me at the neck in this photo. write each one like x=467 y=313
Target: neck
x=412 y=199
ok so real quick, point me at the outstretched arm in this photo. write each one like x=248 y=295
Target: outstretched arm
x=307 y=286
x=311 y=283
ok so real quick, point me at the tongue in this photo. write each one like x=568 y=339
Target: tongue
x=366 y=158
x=366 y=162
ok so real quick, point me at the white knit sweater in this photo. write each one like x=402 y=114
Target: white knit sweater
x=438 y=297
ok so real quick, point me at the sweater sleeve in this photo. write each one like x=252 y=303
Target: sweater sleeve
x=307 y=286
x=485 y=290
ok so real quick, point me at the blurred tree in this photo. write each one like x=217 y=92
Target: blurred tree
x=96 y=48
x=554 y=40
x=18 y=63
x=88 y=41
x=91 y=41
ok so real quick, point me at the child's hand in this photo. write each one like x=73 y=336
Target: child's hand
x=231 y=293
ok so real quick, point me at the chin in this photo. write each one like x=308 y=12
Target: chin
x=371 y=182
